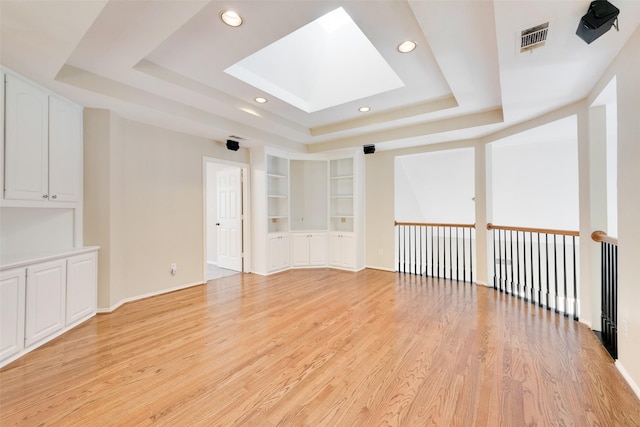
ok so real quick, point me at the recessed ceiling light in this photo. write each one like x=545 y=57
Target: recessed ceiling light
x=260 y=100
x=406 y=46
x=364 y=109
x=231 y=18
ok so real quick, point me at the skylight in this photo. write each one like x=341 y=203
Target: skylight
x=327 y=62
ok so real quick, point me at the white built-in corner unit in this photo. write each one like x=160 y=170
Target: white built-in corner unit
x=307 y=210
x=48 y=279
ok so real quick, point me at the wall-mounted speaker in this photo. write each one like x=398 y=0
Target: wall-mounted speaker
x=232 y=145
x=598 y=20
x=369 y=149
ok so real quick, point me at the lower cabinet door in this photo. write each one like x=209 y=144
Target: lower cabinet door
x=335 y=250
x=81 y=287
x=278 y=256
x=45 y=300
x=11 y=312
x=342 y=251
x=318 y=249
x=299 y=250
x=348 y=251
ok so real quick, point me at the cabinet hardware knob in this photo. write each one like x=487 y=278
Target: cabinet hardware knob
x=54 y=197
x=45 y=196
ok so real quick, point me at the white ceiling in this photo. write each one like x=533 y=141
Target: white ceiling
x=326 y=63
x=162 y=62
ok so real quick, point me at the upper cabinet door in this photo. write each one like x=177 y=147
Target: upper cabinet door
x=65 y=127
x=26 y=150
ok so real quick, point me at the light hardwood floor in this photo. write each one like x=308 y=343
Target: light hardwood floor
x=321 y=347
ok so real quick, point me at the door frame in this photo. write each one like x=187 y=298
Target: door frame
x=246 y=212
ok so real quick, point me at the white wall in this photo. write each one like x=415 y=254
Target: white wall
x=148 y=197
x=435 y=187
x=380 y=198
x=534 y=182
x=612 y=168
x=29 y=230
x=626 y=69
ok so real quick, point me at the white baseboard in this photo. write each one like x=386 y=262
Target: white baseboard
x=373 y=267
x=143 y=296
x=628 y=378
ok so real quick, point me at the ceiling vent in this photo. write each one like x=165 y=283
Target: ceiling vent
x=534 y=37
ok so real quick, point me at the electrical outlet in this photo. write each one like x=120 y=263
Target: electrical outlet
x=174 y=269
x=379 y=251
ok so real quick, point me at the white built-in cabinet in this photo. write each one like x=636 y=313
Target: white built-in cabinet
x=81 y=287
x=308 y=249
x=41 y=299
x=343 y=250
x=45 y=307
x=277 y=188
x=12 y=301
x=314 y=209
x=43 y=135
x=278 y=251
x=48 y=279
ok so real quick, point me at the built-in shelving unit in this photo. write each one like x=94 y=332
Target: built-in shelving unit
x=310 y=213
x=341 y=207
x=277 y=194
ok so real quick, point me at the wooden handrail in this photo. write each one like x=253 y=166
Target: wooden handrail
x=435 y=224
x=534 y=230
x=601 y=236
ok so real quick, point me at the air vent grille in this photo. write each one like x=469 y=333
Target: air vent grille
x=534 y=37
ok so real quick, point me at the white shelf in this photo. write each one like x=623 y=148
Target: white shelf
x=277 y=167
x=276 y=176
x=277 y=194
x=341 y=168
x=341 y=193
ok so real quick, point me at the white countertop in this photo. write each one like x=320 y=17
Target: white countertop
x=8 y=261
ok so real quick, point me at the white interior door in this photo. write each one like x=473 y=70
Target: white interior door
x=229 y=218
